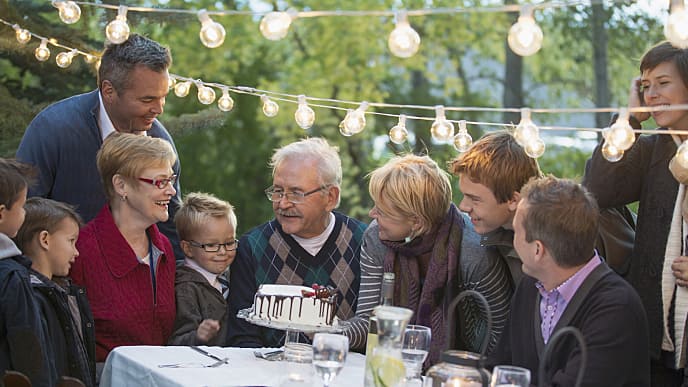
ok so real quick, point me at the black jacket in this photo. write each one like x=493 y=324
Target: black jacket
x=71 y=331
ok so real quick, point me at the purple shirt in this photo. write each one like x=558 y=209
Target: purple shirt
x=554 y=302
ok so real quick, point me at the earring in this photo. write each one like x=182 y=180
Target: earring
x=124 y=197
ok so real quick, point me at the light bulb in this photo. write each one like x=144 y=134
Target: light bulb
x=343 y=128
x=611 y=153
x=525 y=36
x=181 y=89
x=171 y=81
x=404 y=41
x=462 y=140
x=275 y=25
x=97 y=65
x=526 y=129
x=270 y=107
x=212 y=33
x=117 y=31
x=682 y=155
x=23 y=36
x=225 y=103
x=620 y=134
x=676 y=27
x=42 y=52
x=355 y=121
x=535 y=147
x=304 y=115
x=64 y=59
x=441 y=129
x=206 y=95
x=398 y=134
x=89 y=58
x=69 y=11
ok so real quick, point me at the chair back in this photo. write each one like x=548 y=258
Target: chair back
x=16 y=379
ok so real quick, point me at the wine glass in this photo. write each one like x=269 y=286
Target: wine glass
x=510 y=376
x=329 y=355
x=415 y=349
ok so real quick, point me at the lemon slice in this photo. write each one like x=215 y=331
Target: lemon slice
x=388 y=371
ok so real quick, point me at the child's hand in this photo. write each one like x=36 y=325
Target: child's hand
x=207 y=330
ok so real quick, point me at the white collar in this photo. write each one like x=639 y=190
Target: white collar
x=104 y=122
x=210 y=277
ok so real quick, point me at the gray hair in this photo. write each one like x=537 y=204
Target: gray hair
x=119 y=60
x=329 y=164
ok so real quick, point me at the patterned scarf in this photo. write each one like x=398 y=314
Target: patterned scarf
x=428 y=300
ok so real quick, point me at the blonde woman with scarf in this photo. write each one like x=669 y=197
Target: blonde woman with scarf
x=420 y=236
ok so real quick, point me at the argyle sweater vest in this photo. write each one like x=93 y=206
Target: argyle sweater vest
x=270 y=256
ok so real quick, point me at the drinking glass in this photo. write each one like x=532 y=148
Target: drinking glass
x=414 y=349
x=329 y=355
x=510 y=376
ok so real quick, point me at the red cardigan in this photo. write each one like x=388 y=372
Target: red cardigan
x=119 y=287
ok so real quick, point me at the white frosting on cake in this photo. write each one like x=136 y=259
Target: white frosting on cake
x=286 y=303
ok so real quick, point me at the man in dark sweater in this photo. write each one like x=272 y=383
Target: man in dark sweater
x=306 y=243
x=63 y=139
x=567 y=284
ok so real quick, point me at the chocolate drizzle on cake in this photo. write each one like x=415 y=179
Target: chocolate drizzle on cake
x=326 y=297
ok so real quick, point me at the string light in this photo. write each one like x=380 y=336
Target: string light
x=171 y=81
x=304 y=115
x=441 y=129
x=354 y=122
x=117 y=31
x=398 y=134
x=620 y=134
x=462 y=140
x=23 y=36
x=69 y=11
x=212 y=33
x=206 y=95
x=275 y=25
x=270 y=107
x=343 y=129
x=88 y=58
x=611 y=153
x=225 y=103
x=181 y=89
x=404 y=41
x=676 y=27
x=526 y=129
x=64 y=59
x=535 y=147
x=525 y=36
x=682 y=155
x=42 y=52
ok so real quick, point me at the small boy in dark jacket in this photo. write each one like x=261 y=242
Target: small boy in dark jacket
x=23 y=339
x=48 y=237
x=207 y=234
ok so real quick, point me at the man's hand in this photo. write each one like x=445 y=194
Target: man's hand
x=207 y=330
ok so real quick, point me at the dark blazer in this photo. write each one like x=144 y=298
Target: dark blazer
x=642 y=175
x=607 y=312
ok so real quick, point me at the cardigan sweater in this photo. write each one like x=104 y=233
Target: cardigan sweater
x=609 y=315
x=641 y=175
x=120 y=288
x=197 y=300
x=267 y=255
x=62 y=142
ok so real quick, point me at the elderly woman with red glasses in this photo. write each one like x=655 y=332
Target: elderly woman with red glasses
x=126 y=265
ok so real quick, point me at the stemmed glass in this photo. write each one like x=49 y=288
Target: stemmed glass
x=510 y=376
x=415 y=349
x=329 y=355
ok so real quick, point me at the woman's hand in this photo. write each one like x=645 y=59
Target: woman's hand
x=680 y=269
x=635 y=99
x=207 y=330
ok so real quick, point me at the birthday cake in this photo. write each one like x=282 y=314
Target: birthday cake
x=291 y=304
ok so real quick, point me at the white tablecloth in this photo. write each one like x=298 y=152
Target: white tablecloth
x=138 y=366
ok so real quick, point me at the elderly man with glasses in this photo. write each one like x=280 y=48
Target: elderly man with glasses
x=306 y=243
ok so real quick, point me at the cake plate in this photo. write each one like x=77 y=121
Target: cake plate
x=293 y=349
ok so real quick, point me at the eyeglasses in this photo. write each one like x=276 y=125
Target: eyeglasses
x=294 y=197
x=160 y=183
x=215 y=247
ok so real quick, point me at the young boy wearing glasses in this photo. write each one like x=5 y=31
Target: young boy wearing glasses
x=207 y=233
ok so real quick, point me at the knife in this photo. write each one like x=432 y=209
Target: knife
x=210 y=355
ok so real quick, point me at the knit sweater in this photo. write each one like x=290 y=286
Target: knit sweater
x=197 y=300
x=125 y=307
x=267 y=255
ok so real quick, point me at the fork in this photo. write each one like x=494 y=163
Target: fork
x=195 y=365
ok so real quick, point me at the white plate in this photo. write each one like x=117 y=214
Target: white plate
x=337 y=325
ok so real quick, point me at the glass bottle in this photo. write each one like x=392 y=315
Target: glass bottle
x=386 y=367
x=386 y=298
